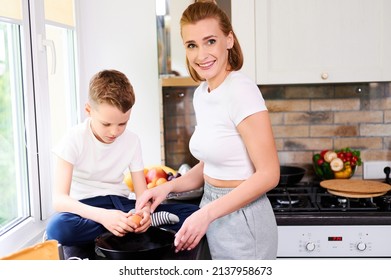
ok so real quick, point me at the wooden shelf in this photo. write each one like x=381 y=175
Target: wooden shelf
x=178 y=82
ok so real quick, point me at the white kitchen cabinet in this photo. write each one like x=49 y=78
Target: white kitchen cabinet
x=318 y=41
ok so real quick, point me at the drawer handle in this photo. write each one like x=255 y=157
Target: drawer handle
x=324 y=76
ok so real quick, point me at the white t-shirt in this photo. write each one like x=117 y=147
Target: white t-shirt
x=98 y=168
x=216 y=140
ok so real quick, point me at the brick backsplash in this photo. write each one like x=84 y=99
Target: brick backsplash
x=310 y=118
x=305 y=120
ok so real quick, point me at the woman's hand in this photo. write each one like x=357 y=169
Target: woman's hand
x=146 y=221
x=191 y=232
x=154 y=196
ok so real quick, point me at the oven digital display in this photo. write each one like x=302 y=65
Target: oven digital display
x=335 y=238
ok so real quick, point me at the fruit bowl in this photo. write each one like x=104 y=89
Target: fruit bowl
x=336 y=164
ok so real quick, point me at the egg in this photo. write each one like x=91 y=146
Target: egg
x=136 y=219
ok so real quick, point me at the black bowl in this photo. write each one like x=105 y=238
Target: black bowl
x=153 y=244
x=290 y=175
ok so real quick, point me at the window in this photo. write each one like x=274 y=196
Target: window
x=37 y=105
x=14 y=201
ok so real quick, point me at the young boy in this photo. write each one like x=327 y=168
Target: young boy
x=89 y=194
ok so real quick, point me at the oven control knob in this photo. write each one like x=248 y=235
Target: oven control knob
x=310 y=246
x=361 y=246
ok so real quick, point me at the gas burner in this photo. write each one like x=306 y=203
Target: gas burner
x=384 y=202
x=286 y=197
x=292 y=199
x=334 y=202
x=310 y=197
x=342 y=203
x=342 y=200
x=289 y=200
x=329 y=202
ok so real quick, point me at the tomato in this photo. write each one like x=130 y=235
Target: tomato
x=323 y=152
x=353 y=161
x=320 y=161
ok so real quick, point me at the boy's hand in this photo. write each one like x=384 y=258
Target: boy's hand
x=145 y=222
x=116 y=221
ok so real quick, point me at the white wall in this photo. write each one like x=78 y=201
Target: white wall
x=121 y=34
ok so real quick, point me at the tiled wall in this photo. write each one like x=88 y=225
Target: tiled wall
x=309 y=118
x=305 y=119
x=178 y=125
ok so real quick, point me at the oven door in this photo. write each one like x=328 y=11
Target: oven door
x=323 y=241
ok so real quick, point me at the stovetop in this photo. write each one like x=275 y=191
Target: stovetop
x=307 y=203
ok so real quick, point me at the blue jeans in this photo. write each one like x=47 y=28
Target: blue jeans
x=72 y=230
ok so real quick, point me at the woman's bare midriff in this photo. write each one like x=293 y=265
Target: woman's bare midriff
x=222 y=183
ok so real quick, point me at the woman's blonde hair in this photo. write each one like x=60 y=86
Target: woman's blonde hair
x=111 y=87
x=209 y=9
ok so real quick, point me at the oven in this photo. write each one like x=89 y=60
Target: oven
x=314 y=223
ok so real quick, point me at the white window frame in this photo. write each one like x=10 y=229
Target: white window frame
x=36 y=94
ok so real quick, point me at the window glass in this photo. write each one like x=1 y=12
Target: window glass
x=14 y=200
x=59 y=16
x=62 y=81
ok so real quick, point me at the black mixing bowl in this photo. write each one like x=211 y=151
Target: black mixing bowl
x=153 y=244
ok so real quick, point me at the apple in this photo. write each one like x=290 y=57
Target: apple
x=155 y=173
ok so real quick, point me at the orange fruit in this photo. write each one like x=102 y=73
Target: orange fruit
x=161 y=181
x=136 y=219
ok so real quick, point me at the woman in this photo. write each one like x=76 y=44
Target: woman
x=234 y=142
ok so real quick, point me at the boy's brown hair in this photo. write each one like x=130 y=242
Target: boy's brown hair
x=112 y=87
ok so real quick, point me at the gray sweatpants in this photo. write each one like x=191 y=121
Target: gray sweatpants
x=249 y=233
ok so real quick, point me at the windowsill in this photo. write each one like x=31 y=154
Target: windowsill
x=27 y=233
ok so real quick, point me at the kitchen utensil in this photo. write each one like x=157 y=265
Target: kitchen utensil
x=387 y=171
x=290 y=175
x=193 y=194
x=355 y=186
x=150 y=245
x=184 y=168
x=355 y=194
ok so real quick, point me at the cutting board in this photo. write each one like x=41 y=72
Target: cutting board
x=355 y=195
x=356 y=186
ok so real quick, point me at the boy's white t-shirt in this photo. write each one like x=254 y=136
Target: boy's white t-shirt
x=216 y=140
x=98 y=168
